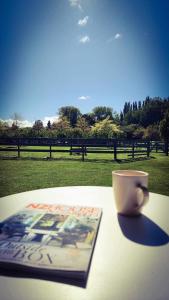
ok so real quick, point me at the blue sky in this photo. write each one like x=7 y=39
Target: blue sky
x=83 y=53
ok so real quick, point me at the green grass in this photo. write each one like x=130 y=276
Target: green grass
x=19 y=175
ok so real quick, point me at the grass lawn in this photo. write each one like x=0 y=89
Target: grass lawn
x=19 y=175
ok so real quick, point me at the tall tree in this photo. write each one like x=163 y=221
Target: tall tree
x=71 y=113
x=139 y=105
x=121 y=117
x=49 y=126
x=150 y=112
x=164 y=127
x=102 y=112
x=127 y=108
x=38 y=126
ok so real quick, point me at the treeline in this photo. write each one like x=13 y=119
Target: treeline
x=138 y=119
x=151 y=111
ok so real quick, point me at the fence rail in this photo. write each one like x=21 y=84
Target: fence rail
x=133 y=148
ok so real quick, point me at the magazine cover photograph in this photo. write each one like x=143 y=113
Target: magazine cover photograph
x=53 y=237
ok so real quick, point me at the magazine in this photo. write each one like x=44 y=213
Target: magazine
x=51 y=238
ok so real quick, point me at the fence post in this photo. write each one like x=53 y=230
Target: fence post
x=70 y=150
x=83 y=152
x=19 y=151
x=50 y=150
x=133 y=150
x=115 y=150
x=166 y=147
x=148 y=148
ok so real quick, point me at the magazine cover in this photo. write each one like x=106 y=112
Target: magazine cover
x=51 y=238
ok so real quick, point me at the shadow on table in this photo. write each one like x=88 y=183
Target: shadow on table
x=142 y=230
x=51 y=277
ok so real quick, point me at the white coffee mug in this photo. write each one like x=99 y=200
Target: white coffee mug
x=130 y=191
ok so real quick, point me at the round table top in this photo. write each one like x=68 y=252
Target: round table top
x=130 y=259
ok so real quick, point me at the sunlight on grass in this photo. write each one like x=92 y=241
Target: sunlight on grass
x=19 y=175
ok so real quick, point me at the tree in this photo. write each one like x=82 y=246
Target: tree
x=4 y=127
x=152 y=132
x=102 y=112
x=16 y=118
x=14 y=126
x=71 y=113
x=90 y=118
x=164 y=127
x=129 y=130
x=37 y=126
x=128 y=118
x=127 y=108
x=121 y=117
x=139 y=105
x=105 y=129
x=150 y=112
x=83 y=126
x=62 y=123
x=147 y=101
x=138 y=133
x=49 y=126
x=62 y=127
x=134 y=106
x=75 y=133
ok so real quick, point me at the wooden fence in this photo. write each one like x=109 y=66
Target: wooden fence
x=133 y=148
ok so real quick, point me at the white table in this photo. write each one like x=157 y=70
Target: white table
x=131 y=256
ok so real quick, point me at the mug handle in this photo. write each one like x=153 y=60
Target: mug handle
x=145 y=195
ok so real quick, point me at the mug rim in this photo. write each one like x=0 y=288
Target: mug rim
x=126 y=173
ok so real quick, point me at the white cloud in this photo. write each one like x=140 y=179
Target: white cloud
x=26 y=123
x=84 y=97
x=22 y=124
x=83 y=22
x=75 y=3
x=118 y=36
x=84 y=39
x=51 y=119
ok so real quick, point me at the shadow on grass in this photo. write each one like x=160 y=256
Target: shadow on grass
x=127 y=160
x=46 y=158
x=77 y=158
